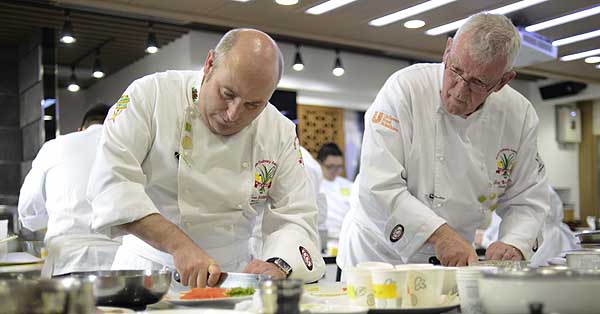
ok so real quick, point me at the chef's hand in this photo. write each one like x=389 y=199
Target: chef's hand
x=196 y=268
x=257 y=266
x=502 y=251
x=450 y=248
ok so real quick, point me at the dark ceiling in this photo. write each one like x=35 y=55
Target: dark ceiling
x=122 y=26
x=122 y=40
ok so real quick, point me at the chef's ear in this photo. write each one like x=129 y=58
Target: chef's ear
x=506 y=77
x=447 y=49
x=209 y=63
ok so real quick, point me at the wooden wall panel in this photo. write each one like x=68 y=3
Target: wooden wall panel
x=318 y=125
x=588 y=163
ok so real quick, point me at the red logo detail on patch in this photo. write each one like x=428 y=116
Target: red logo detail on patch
x=306 y=258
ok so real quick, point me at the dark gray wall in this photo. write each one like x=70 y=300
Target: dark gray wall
x=11 y=152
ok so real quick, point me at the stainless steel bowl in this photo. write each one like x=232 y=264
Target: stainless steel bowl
x=128 y=288
x=46 y=296
x=559 y=290
x=589 y=237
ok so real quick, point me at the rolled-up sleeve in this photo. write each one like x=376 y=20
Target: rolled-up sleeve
x=290 y=222
x=383 y=179
x=525 y=203
x=116 y=187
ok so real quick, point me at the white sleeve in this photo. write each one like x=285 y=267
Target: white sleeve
x=290 y=222
x=387 y=138
x=32 y=197
x=524 y=205
x=116 y=186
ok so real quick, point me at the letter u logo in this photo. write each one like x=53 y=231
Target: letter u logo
x=377 y=116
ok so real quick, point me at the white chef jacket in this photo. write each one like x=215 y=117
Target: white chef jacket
x=157 y=156
x=315 y=174
x=422 y=167
x=338 y=203
x=53 y=196
x=557 y=236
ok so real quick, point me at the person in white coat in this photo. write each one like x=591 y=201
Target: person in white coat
x=315 y=174
x=444 y=145
x=557 y=236
x=53 y=196
x=335 y=187
x=189 y=159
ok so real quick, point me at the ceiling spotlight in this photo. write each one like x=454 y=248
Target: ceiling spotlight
x=66 y=34
x=152 y=43
x=414 y=24
x=594 y=59
x=73 y=86
x=286 y=2
x=298 y=64
x=98 y=70
x=338 y=68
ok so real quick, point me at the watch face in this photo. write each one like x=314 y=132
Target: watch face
x=283 y=265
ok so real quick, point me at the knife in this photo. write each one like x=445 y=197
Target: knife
x=234 y=280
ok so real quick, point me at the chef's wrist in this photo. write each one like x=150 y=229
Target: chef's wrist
x=440 y=233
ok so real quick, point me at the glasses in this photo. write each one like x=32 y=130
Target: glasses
x=475 y=86
x=334 y=167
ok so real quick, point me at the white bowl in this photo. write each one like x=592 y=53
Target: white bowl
x=560 y=291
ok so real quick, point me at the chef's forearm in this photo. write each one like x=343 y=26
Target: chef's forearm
x=159 y=232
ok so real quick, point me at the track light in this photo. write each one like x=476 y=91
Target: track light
x=152 y=43
x=338 y=68
x=98 y=70
x=298 y=64
x=73 y=86
x=66 y=34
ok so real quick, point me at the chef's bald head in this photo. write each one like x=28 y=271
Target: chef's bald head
x=255 y=46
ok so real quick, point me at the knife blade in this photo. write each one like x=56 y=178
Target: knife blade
x=234 y=280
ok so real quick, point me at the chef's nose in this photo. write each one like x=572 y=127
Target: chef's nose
x=234 y=109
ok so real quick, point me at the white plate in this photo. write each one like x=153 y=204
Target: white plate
x=452 y=304
x=113 y=310
x=199 y=311
x=231 y=301
x=17 y=258
x=316 y=308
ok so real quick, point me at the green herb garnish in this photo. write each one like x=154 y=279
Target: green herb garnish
x=239 y=292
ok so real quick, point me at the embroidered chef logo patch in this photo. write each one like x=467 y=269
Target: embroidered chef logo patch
x=263 y=176
x=120 y=106
x=306 y=258
x=385 y=120
x=505 y=163
x=194 y=94
x=299 y=152
x=397 y=233
x=264 y=171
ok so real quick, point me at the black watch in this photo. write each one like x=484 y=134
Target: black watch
x=282 y=265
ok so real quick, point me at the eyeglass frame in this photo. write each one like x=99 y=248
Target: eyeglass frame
x=334 y=167
x=486 y=88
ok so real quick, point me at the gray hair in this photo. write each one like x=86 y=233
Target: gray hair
x=491 y=36
x=230 y=39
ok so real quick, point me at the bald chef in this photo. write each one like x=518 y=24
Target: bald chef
x=189 y=159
